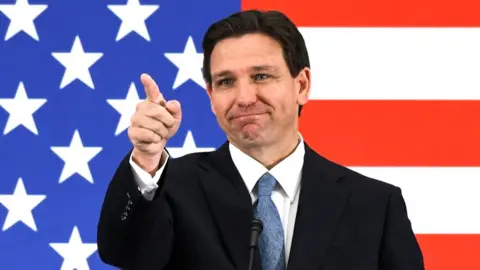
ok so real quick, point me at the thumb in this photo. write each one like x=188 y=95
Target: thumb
x=151 y=89
x=174 y=107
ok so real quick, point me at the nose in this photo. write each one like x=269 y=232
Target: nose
x=246 y=94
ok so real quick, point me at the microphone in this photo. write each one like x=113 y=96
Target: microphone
x=256 y=228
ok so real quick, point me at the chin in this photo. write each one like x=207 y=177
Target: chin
x=251 y=131
x=248 y=135
x=251 y=139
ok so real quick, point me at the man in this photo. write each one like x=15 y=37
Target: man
x=195 y=212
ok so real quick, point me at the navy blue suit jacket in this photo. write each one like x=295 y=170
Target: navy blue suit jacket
x=200 y=219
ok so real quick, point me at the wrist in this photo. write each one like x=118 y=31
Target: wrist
x=149 y=163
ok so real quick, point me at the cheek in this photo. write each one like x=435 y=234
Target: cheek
x=281 y=99
x=220 y=106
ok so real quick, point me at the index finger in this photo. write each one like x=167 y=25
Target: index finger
x=151 y=89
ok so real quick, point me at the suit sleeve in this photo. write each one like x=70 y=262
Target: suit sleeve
x=147 y=184
x=400 y=249
x=134 y=232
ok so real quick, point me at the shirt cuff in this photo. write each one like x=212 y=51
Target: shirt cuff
x=145 y=182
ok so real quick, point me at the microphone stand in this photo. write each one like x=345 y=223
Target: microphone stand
x=256 y=229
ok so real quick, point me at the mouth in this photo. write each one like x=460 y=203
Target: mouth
x=246 y=116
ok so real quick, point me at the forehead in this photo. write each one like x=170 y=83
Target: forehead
x=242 y=53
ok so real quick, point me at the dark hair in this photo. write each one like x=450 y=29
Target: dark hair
x=272 y=23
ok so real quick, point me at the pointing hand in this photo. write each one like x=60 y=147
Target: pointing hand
x=154 y=122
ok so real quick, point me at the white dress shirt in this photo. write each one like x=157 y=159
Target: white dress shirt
x=285 y=194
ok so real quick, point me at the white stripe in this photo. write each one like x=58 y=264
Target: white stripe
x=394 y=63
x=439 y=199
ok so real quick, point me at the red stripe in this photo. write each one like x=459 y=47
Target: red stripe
x=394 y=133
x=449 y=252
x=375 y=12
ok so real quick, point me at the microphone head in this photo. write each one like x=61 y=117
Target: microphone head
x=257 y=225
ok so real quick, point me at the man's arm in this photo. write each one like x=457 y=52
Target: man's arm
x=130 y=219
x=400 y=249
x=148 y=184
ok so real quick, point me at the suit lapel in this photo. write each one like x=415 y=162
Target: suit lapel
x=319 y=209
x=229 y=201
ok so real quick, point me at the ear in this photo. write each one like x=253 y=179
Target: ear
x=303 y=86
x=209 y=93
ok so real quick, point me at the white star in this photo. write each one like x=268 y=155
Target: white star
x=76 y=158
x=133 y=16
x=77 y=64
x=21 y=16
x=20 y=206
x=126 y=107
x=21 y=110
x=189 y=64
x=188 y=147
x=75 y=253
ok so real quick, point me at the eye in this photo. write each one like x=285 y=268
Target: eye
x=261 y=76
x=224 y=82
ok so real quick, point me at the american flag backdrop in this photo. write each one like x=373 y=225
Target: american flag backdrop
x=396 y=90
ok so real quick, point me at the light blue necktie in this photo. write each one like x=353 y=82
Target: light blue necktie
x=271 y=243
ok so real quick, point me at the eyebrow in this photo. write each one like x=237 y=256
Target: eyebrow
x=219 y=74
x=264 y=68
x=225 y=73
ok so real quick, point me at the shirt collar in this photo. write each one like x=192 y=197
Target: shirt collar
x=287 y=172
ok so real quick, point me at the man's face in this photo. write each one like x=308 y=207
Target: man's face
x=253 y=95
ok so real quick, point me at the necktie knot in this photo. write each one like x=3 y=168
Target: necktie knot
x=266 y=183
